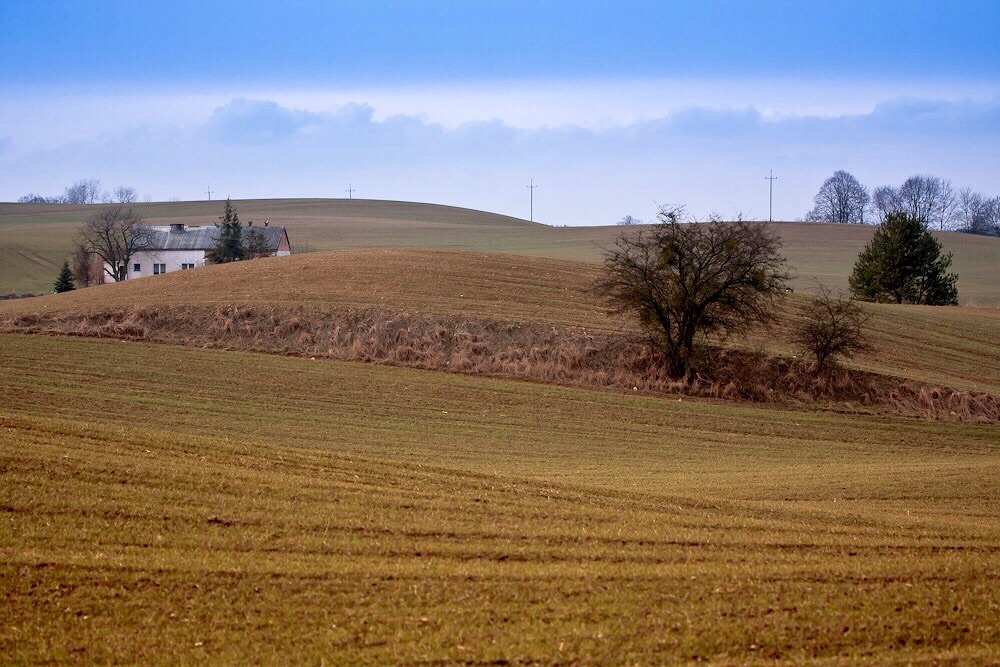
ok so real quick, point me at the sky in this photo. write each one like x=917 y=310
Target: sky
x=610 y=108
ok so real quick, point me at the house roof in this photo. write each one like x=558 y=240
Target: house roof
x=166 y=237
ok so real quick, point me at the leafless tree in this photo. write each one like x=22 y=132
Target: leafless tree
x=629 y=220
x=125 y=194
x=978 y=214
x=86 y=268
x=689 y=280
x=831 y=326
x=841 y=198
x=86 y=191
x=926 y=198
x=32 y=198
x=115 y=234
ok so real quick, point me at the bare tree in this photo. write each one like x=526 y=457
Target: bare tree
x=841 y=198
x=86 y=269
x=115 y=234
x=86 y=191
x=831 y=326
x=689 y=280
x=926 y=198
x=629 y=220
x=125 y=194
x=32 y=198
x=977 y=214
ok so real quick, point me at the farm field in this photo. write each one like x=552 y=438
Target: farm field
x=35 y=239
x=166 y=504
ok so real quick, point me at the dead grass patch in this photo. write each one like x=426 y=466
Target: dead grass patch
x=564 y=355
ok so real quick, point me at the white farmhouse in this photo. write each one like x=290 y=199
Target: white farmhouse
x=177 y=247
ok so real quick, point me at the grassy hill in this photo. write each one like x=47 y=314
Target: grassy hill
x=954 y=347
x=35 y=239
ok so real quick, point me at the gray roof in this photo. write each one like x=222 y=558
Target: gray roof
x=204 y=238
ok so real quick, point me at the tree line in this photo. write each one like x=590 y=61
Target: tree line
x=86 y=191
x=843 y=198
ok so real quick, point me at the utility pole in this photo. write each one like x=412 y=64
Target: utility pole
x=531 y=189
x=770 y=194
x=209 y=192
x=350 y=191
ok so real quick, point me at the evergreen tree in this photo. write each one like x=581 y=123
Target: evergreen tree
x=229 y=247
x=903 y=263
x=64 y=283
x=256 y=245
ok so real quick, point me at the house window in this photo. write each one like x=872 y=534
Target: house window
x=187 y=266
x=137 y=267
x=159 y=268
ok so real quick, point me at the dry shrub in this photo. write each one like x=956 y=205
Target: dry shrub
x=536 y=352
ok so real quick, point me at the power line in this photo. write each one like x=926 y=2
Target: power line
x=770 y=194
x=531 y=189
x=350 y=191
x=209 y=192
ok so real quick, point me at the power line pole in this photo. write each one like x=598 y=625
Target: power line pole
x=770 y=194
x=531 y=189
x=209 y=192
x=350 y=191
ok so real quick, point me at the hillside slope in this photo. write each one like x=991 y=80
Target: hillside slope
x=35 y=239
x=955 y=347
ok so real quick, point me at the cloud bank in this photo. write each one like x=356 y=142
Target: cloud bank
x=711 y=158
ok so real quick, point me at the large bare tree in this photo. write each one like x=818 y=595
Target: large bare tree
x=115 y=234
x=126 y=194
x=689 y=280
x=841 y=198
x=928 y=198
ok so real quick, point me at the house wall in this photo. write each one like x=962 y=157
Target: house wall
x=283 y=248
x=172 y=258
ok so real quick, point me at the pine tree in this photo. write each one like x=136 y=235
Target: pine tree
x=903 y=263
x=229 y=247
x=257 y=245
x=64 y=283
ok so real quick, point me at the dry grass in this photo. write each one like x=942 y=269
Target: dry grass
x=527 y=351
x=947 y=347
x=168 y=505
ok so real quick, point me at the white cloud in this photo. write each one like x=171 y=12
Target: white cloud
x=244 y=121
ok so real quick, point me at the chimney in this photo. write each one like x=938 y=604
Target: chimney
x=177 y=228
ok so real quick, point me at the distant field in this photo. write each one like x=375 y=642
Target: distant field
x=954 y=347
x=35 y=239
x=165 y=505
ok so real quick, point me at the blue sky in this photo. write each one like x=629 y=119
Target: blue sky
x=612 y=107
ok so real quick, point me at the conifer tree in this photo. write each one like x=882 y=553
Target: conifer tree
x=64 y=283
x=903 y=263
x=256 y=245
x=229 y=247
